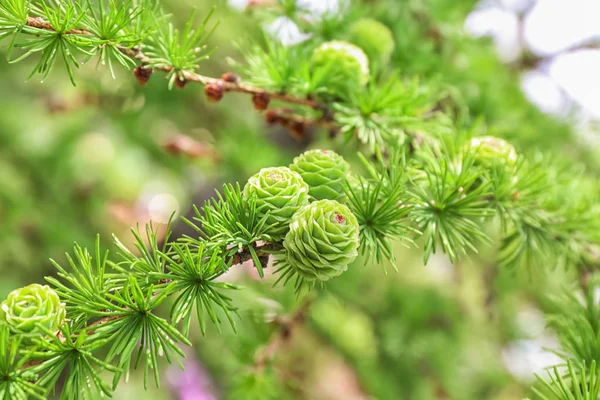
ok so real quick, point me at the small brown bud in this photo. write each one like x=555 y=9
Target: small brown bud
x=261 y=100
x=142 y=74
x=272 y=117
x=286 y=332
x=180 y=82
x=214 y=91
x=298 y=129
x=230 y=77
x=516 y=195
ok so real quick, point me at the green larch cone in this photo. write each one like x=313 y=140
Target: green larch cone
x=322 y=241
x=490 y=150
x=34 y=304
x=325 y=172
x=347 y=62
x=374 y=38
x=280 y=192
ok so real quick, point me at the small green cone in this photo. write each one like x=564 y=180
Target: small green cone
x=490 y=151
x=325 y=171
x=346 y=62
x=280 y=192
x=374 y=38
x=28 y=306
x=322 y=241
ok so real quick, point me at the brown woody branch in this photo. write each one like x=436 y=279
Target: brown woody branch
x=39 y=23
x=263 y=250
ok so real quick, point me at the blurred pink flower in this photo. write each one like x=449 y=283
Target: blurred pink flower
x=193 y=383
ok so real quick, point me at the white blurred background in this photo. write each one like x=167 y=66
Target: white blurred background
x=562 y=38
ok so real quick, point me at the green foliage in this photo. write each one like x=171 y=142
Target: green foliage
x=131 y=324
x=574 y=317
x=232 y=222
x=180 y=53
x=193 y=276
x=15 y=381
x=380 y=203
x=384 y=113
x=436 y=182
x=72 y=354
x=111 y=30
x=85 y=284
x=449 y=201
x=578 y=383
x=274 y=67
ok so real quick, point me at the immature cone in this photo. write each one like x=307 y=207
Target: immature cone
x=325 y=172
x=214 y=91
x=31 y=305
x=280 y=192
x=344 y=60
x=490 y=150
x=374 y=38
x=180 y=82
x=261 y=101
x=143 y=74
x=322 y=241
x=230 y=77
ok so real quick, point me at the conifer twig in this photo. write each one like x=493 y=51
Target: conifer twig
x=39 y=23
x=238 y=258
x=189 y=76
x=261 y=250
x=227 y=83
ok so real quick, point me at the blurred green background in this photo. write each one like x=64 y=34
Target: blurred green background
x=106 y=155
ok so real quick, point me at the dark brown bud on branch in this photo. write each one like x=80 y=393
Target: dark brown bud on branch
x=180 y=82
x=261 y=101
x=214 y=91
x=142 y=74
x=231 y=77
x=298 y=130
x=272 y=117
